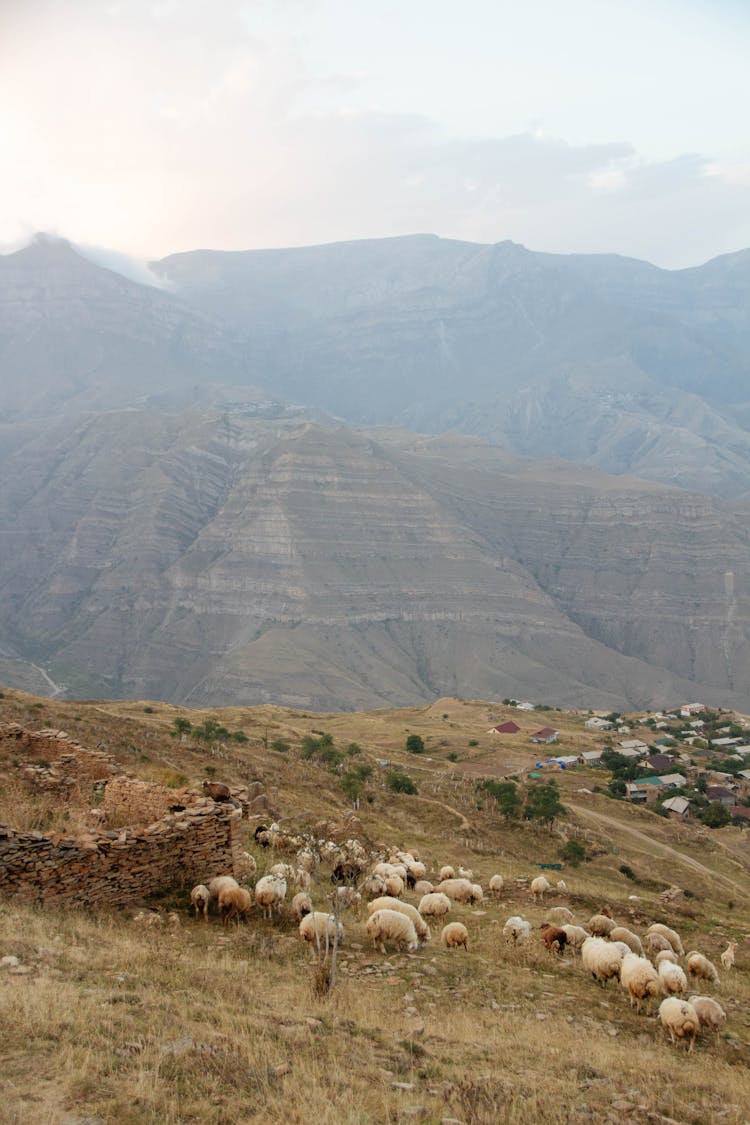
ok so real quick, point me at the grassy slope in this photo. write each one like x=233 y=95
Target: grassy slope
x=186 y=1023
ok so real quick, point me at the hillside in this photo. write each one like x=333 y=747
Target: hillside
x=211 y=558
x=178 y=1020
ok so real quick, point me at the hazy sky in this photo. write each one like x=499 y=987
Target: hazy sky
x=591 y=125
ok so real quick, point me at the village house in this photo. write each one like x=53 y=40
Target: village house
x=689 y=709
x=673 y=780
x=545 y=736
x=633 y=744
x=597 y=723
x=677 y=807
x=591 y=757
x=635 y=793
x=721 y=794
x=506 y=728
x=659 y=762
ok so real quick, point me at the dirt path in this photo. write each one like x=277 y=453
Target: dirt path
x=658 y=848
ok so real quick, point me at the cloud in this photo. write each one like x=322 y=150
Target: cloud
x=156 y=127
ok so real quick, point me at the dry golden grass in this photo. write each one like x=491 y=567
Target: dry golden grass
x=192 y=1023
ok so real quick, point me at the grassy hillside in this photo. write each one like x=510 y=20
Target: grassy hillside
x=178 y=1021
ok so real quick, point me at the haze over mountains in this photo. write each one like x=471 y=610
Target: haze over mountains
x=186 y=516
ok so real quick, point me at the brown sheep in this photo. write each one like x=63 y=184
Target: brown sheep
x=553 y=935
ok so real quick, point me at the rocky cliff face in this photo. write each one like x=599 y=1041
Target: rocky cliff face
x=215 y=559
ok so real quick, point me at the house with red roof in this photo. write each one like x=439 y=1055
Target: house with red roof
x=546 y=735
x=506 y=728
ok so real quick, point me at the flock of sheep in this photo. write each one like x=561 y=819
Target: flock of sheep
x=608 y=950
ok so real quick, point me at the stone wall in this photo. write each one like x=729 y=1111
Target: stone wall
x=121 y=868
x=130 y=801
x=53 y=761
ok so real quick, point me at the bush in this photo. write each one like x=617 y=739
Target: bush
x=543 y=803
x=573 y=853
x=280 y=745
x=473 y=742
x=627 y=871
x=400 y=782
x=415 y=744
x=148 y=711
x=453 y=756
x=239 y=736
x=716 y=815
x=507 y=796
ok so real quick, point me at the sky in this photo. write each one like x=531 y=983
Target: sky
x=154 y=126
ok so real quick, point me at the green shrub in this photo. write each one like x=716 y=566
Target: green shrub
x=415 y=744
x=400 y=782
x=573 y=853
x=280 y=746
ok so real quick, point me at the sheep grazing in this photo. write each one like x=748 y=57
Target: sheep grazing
x=680 y=1019
x=710 y=1012
x=517 y=929
x=454 y=935
x=665 y=955
x=347 y=897
x=727 y=957
x=234 y=902
x=465 y=873
x=657 y=943
x=639 y=978
x=385 y=903
x=553 y=935
x=373 y=886
x=700 y=967
x=478 y=894
x=423 y=887
x=446 y=873
x=672 y=979
x=320 y=929
x=394 y=886
x=459 y=890
x=496 y=884
x=602 y=959
x=600 y=925
x=200 y=897
x=301 y=905
x=561 y=886
x=633 y=942
x=394 y=927
x=672 y=937
x=270 y=892
x=576 y=936
x=559 y=914
x=434 y=905
x=219 y=883
x=540 y=886
x=285 y=870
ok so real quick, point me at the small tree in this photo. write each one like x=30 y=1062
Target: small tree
x=573 y=853
x=716 y=815
x=415 y=744
x=543 y=803
x=400 y=782
x=507 y=796
x=181 y=726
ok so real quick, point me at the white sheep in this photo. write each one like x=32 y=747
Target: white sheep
x=680 y=1019
x=234 y=902
x=633 y=942
x=392 y=926
x=672 y=937
x=285 y=870
x=517 y=929
x=386 y=903
x=301 y=905
x=320 y=929
x=218 y=883
x=657 y=943
x=672 y=979
x=394 y=886
x=447 y=872
x=434 y=905
x=639 y=978
x=710 y=1012
x=423 y=887
x=603 y=959
x=558 y=914
x=454 y=935
x=270 y=892
x=576 y=936
x=700 y=967
x=478 y=894
x=665 y=955
x=373 y=886
x=727 y=957
x=347 y=897
x=561 y=886
x=200 y=897
x=465 y=873
x=459 y=890
x=540 y=886
x=600 y=925
x=496 y=884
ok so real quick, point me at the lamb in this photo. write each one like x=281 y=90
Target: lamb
x=553 y=935
x=465 y=873
x=602 y=959
x=270 y=892
x=700 y=967
x=301 y=905
x=458 y=890
x=385 y=903
x=633 y=942
x=727 y=957
x=600 y=925
x=496 y=884
x=639 y=978
x=576 y=936
x=680 y=1019
x=454 y=935
x=672 y=979
x=665 y=955
x=320 y=928
x=710 y=1012
x=672 y=937
x=561 y=886
x=559 y=914
x=423 y=887
x=434 y=905
x=234 y=902
x=540 y=886
x=446 y=873
x=517 y=928
x=200 y=897
x=394 y=927
x=478 y=893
